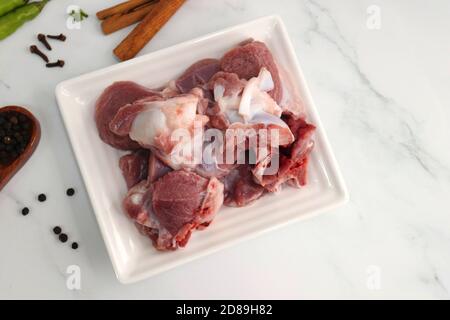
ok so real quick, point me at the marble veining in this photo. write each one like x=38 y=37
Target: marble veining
x=4 y=84
x=411 y=147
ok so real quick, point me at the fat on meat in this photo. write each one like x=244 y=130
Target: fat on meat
x=110 y=101
x=239 y=101
x=248 y=59
x=156 y=122
x=226 y=91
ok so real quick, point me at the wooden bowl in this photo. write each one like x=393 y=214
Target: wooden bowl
x=8 y=171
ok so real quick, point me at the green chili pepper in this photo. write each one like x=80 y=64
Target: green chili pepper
x=9 y=5
x=12 y=21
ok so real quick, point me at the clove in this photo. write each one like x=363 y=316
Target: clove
x=35 y=50
x=41 y=37
x=59 y=63
x=59 y=37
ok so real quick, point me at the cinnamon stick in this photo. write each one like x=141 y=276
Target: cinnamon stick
x=120 y=8
x=147 y=29
x=119 y=21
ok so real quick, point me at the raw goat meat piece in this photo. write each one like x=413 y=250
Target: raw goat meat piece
x=239 y=101
x=183 y=197
x=251 y=131
x=293 y=160
x=240 y=188
x=138 y=203
x=134 y=166
x=255 y=98
x=151 y=122
x=197 y=75
x=112 y=99
x=141 y=165
x=248 y=59
x=263 y=133
x=276 y=134
x=257 y=141
x=171 y=208
x=303 y=132
x=227 y=90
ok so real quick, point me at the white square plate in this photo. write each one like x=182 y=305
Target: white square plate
x=132 y=255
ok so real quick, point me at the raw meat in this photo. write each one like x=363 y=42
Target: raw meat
x=227 y=90
x=114 y=97
x=183 y=197
x=303 y=132
x=137 y=204
x=156 y=168
x=293 y=160
x=261 y=135
x=240 y=189
x=134 y=166
x=197 y=75
x=179 y=174
x=171 y=126
x=255 y=99
x=248 y=59
x=213 y=162
x=171 y=208
x=239 y=101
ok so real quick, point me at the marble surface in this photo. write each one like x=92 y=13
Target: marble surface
x=382 y=90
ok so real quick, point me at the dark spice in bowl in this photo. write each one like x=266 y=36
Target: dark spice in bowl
x=20 y=133
x=15 y=134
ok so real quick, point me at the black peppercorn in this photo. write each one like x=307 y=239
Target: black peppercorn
x=63 y=237
x=70 y=192
x=42 y=197
x=25 y=211
x=14 y=120
x=57 y=230
x=74 y=246
x=15 y=135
